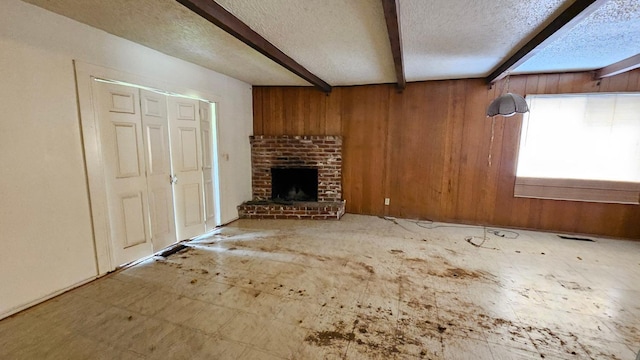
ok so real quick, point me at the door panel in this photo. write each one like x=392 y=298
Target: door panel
x=206 y=145
x=188 y=148
x=156 y=141
x=209 y=208
x=193 y=205
x=127 y=144
x=206 y=128
x=161 y=220
x=153 y=105
x=156 y=146
x=187 y=159
x=121 y=139
x=122 y=102
x=186 y=110
x=133 y=217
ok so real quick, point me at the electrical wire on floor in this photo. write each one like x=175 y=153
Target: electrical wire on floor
x=430 y=225
x=395 y=221
x=470 y=239
x=507 y=234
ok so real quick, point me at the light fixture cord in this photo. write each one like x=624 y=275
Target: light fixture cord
x=493 y=122
x=507 y=85
x=505 y=89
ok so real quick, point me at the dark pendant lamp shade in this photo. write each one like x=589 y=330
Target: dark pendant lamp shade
x=508 y=105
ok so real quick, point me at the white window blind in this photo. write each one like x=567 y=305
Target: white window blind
x=581 y=147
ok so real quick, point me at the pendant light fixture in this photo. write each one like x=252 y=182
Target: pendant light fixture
x=508 y=104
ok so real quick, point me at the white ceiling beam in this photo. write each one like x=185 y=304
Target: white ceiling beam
x=620 y=67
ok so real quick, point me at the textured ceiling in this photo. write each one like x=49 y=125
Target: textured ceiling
x=448 y=39
x=610 y=34
x=169 y=27
x=345 y=42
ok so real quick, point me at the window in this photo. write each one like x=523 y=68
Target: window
x=583 y=147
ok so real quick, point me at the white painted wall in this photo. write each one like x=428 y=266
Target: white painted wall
x=235 y=125
x=45 y=225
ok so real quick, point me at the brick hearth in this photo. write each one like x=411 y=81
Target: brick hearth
x=320 y=152
x=299 y=210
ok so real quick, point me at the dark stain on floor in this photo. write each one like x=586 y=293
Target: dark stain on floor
x=459 y=273
x=572 y=285
x=326 y=338
x=367 y=267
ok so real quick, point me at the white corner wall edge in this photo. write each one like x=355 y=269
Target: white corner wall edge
x=45 y=223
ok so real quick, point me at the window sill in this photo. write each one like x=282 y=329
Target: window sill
x=578 y=190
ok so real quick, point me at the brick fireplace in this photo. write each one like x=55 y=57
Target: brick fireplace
x=295 y=177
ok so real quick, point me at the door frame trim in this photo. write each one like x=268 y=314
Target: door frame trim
x=85 y=74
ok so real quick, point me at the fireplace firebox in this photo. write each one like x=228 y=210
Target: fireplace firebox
x=294 y=184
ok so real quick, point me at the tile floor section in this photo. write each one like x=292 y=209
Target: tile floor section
x=359 y=288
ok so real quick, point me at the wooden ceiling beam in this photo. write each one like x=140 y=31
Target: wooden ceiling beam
x=620 y=67
x=575 y=13
x=219 y=16
x=392 y=17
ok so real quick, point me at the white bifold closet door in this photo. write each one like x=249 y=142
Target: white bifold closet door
x=186 y=153
x=155 y=125
x=122 y=146
x=154 y=155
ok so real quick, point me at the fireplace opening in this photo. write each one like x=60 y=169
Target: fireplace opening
x=294 y=184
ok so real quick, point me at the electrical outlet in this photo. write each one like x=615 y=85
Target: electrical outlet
x=387 y=201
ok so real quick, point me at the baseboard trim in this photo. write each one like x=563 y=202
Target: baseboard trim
x=50 y=296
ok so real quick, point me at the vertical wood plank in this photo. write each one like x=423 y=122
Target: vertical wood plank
x=290 y=113
x=395 y=119
x=314 y=106
x=333 y=118
x=475 y=152
x=404 y=161
x=453 y=149
x=258 y=118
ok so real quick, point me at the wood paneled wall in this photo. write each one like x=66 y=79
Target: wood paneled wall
x=427 y=150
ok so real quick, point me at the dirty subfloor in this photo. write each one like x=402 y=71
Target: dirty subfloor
x=360 y=288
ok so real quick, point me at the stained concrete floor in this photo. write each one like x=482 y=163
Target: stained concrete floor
x=359 y=288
